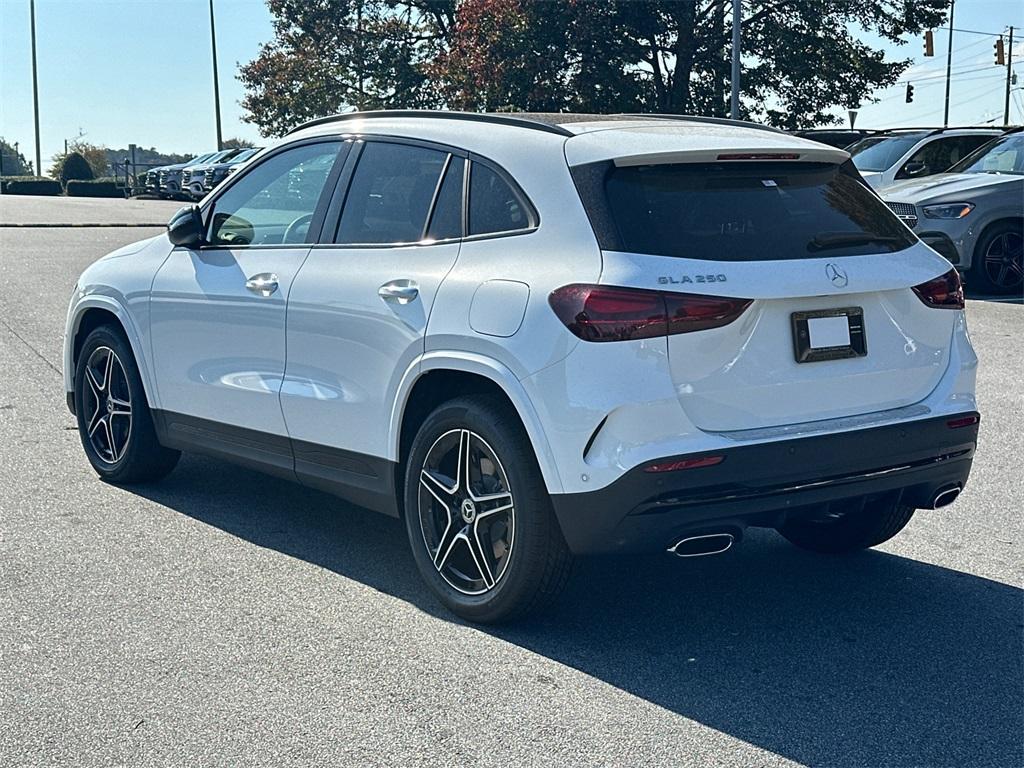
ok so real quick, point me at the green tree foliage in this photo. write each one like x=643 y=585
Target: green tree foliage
x=13 y=162
x=802 y=58
x=94 y=155
x=235 y=143
x=74 y=167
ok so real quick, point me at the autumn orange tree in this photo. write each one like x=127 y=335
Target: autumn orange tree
x=802 y=58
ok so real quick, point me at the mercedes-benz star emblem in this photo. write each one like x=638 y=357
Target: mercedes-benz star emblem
x=836 y=275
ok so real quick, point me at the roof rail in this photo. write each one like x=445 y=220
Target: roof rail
x=710 y=120
x=936 y=129
x=490 y=117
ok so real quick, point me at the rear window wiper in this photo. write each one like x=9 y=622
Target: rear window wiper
x=827 y=240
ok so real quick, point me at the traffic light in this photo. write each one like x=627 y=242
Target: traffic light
x=910 y=93
x=1000 y=53
x=929 y=43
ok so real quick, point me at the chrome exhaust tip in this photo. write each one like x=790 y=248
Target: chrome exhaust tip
x=946 y=497
x=698 y=546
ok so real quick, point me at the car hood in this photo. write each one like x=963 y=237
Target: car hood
x=943 y=185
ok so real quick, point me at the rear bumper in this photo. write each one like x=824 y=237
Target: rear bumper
x=765 y=483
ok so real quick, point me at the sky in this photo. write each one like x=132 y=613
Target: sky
x=140 y=71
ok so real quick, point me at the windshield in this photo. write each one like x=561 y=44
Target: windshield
x=241 y=157
x=749 y=212
x=1004 y=155
x=880 y=153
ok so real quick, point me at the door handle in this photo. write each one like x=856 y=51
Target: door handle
x=264 y=284
x=403 y=291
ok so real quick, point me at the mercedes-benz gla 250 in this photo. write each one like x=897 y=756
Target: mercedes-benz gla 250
x=533 y=337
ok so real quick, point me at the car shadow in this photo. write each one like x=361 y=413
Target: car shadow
x=867 y=660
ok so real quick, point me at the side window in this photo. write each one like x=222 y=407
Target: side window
x=493 y=205
x=390 y=194
x=446 y=221
x=274 y=202
x=941 y=154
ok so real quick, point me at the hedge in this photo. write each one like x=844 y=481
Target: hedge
x=29 y=185
x=95 y=188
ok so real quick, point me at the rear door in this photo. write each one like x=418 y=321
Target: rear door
x=833 y=329
x=218 y=311
x=359 y=306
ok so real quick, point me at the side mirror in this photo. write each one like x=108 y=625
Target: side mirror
x=912 y=169
x=186 y=227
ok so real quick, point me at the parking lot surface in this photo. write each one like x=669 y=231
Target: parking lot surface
x=226 y=618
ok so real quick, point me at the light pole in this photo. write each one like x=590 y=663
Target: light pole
x=216 y=84
x=35 y=87
x=737 y=10
x=949 y=62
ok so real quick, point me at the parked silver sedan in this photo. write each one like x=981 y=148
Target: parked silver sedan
x=973 y=214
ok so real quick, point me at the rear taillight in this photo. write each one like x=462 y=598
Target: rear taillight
x=606 y=313
x=944 y=292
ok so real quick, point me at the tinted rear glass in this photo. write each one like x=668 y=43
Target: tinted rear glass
x=749 y=212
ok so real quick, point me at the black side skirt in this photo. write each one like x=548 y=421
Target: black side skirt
x=368 y=481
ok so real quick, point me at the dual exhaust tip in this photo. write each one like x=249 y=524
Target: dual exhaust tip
x=717 y=543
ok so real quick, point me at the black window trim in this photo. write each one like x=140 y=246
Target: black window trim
x=332 y=219
x=319 y=213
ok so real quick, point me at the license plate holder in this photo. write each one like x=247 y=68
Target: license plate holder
x=826 y=333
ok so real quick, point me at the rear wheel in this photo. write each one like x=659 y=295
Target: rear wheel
x=114 y=421
x=850 y=526
x=998 y=263
x=478 y=515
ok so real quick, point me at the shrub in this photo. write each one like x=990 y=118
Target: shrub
x=29 y=185
x=75 y=168
x=95 y=188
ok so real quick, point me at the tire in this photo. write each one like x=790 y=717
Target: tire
x=849 y=527
x=997 y=265
x=114 y=421
x=506 y=511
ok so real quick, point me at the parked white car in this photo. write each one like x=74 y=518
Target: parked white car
x=912 y=153
x=540 y=336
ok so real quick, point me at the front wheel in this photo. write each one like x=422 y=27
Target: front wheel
x=478 y=515
x=998 y=264
x=114 y=420
x=849 y=526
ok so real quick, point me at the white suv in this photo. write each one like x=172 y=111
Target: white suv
x=536 y=336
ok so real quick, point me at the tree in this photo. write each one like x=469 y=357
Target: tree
x=74 y=167
x=237 y=144
x=93 y=154
x=331 y=55
x=12 y=162
x=802 y=58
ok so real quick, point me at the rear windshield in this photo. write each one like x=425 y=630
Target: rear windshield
x=748 y=212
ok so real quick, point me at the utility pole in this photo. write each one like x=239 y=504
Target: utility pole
x=949 y=61
x=1009 y=75
x=35 y=87
x=216 y=84
x=734 y=106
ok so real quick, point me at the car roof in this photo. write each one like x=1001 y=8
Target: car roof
x=560 y=123
x=583 y=138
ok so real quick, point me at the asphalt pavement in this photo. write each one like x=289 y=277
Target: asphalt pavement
x=223 y=618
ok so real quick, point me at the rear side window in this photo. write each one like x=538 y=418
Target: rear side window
x=390 y=194
x=748 y=212
x=494 y=206
x=446 y=220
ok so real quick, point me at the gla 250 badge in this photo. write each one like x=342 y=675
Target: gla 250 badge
x=668 y=280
